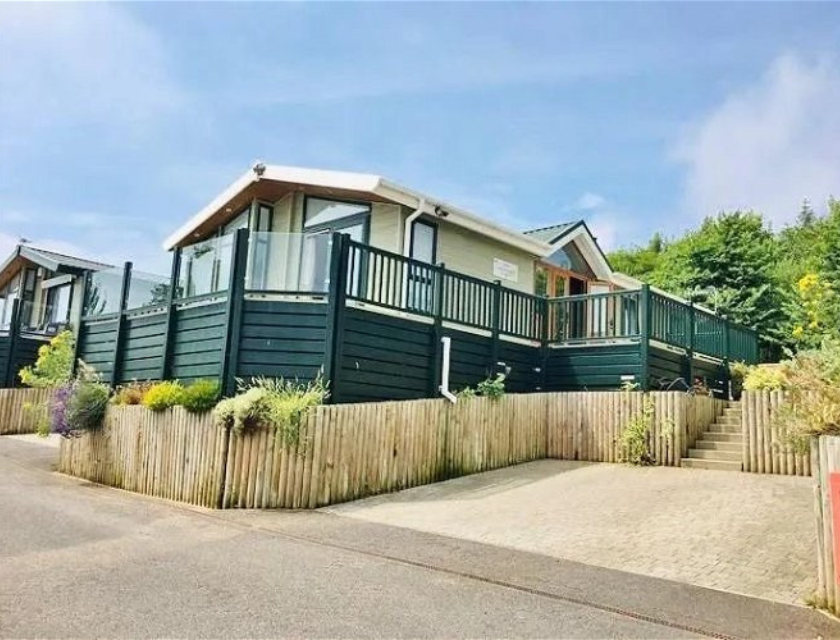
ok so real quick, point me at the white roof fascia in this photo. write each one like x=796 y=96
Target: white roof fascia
x=217 y=203
x=365 y=183
x=587 y=246
x=462 y=218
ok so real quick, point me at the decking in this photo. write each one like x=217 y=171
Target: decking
x=370 y=322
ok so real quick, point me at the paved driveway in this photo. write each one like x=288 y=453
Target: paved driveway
x=737 y=532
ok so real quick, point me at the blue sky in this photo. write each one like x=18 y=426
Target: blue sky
x=119 y=121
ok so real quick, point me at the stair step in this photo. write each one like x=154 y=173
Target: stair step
x=715 y=465
x=724 y=428
x=714 y=454
x=730 y=420
x=716 y=436
x=718 y=446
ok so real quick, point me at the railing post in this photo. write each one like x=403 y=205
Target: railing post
x=172 y=294
x=644 y=342
x=235 y=304
x=690 y=350
x=437 y=331
x=726 y=377
x=496 y=326
x=119 y=338
x=336 y=296
x=77 y=343
x=546 y=310
x=14 y=329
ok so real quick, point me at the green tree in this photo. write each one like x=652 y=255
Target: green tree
x=728 y=264
x=638 y=262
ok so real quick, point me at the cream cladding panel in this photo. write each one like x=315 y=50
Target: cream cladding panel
x=473 y=254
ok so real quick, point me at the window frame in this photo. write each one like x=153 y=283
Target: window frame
x=341 y=223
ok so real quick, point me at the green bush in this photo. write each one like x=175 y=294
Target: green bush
x=54 y=365
x=163 y=395
x=493 y=388
x=272 y=403
x=765 y=377
x=200 y=396
x=635 y=447
x=86 y=406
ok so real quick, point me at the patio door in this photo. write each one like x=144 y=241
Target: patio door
x=421 y=279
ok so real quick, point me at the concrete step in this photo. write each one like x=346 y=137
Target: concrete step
x=716 y=465
x=724 y=428
x=716 y=436
x=713 y=454
x=731 y=420
x=718 y=446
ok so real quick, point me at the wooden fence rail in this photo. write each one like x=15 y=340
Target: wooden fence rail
x=764 y=446
x=351 y=451
x=825 y=462
x=16 y=416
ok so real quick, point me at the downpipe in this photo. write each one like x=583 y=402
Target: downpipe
x=444 y=377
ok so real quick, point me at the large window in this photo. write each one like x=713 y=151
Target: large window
x=58 y=304
x=320 y=212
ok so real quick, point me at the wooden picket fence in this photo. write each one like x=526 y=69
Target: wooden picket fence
x=764 y=446
x=825 y=461
x=586 y=425
x=347 y=452
x=19 y=409
x=171 y=454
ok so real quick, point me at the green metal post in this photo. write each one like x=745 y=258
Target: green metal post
x=690 y=350
x=644 y=343
x=437 y=331
x=337 y=294
x=496 y=326
x=726 y=377
x=171 y=314
x=235 y=305
x=119 y=338
x=544 y=343
x=14 y=330
x=77 y=343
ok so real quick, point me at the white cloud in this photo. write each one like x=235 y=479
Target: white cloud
x=769 y=145
x=68 y=65
x=589 y=201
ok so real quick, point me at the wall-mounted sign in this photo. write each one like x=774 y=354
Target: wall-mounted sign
x=505 y=270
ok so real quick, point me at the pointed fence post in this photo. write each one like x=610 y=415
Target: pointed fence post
x=644 y=343
x=119 y=338
x=336 y=296
x=233 y=313
x=171 y=314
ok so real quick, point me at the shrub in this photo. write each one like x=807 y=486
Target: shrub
x=163 y=395
x=493 y=388
x=273 y=403
x=54 y=365
x=765 y=377
x=813 y=402
x=635 y=448
x=85 y=407
x=201 y=396
x=131 y=394
x=737 y=373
